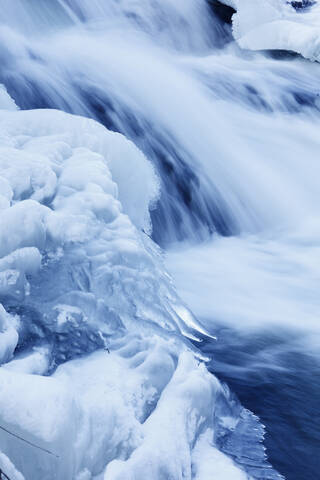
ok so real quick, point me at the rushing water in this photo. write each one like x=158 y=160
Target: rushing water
x=260 y=297
x=234 y=137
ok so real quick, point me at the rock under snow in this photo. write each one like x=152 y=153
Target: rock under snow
x=96 y=378
x=277 y=25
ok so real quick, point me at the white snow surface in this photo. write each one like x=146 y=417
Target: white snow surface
x=277 y=25
x=96 y=378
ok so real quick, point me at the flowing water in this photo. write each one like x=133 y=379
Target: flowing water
x=234 y=137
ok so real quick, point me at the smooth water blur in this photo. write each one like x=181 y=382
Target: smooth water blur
x=235 y=139
x=200 y=112
x=254 y=281
x=281 y=386
x=260 y=296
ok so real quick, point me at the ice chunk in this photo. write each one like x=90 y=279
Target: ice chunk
x=97 y=377
x=277 y=25
x=209 y=462
x=49 y=136
x=172 y=429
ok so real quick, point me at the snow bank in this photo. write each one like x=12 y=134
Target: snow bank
x=171 y=436
x=140 y=409
x=277 y=25
x=96 y=378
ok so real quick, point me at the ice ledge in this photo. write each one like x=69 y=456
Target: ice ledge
x=277 y=25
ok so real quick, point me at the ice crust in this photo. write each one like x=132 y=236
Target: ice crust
x=277 y=25
x=96 y=377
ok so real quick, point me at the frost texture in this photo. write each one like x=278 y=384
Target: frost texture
x=70 y=256
x=95 y=371
x=277 y=25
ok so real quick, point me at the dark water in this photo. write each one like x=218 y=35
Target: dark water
x=282 y=388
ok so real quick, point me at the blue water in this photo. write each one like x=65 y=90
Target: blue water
x=287 y=398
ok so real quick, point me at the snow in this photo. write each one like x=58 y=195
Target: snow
x=171 y=430
x=138 y=415
x=209 y=463
x=96 y=378
x=277 y=25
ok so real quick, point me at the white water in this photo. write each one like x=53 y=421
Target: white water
x=253 y=283
x=234 y=136
x=188 y=103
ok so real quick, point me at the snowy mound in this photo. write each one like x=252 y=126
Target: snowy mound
x=278 y=25
x=96 y=378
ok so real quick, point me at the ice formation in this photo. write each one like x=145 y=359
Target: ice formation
x=96 y=379
x=277 y=25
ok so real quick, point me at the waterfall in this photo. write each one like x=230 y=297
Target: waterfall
x=157 y=73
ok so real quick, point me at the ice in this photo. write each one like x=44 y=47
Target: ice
x=35 y=362
x=211 y=463
x=277 y=25
x=7 y=466
x=173 y=427
x=64 y=196
x=96 y=378
x=108 y=408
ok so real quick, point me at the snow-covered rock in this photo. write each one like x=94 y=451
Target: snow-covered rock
x=96 y=378
x=277 y=25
